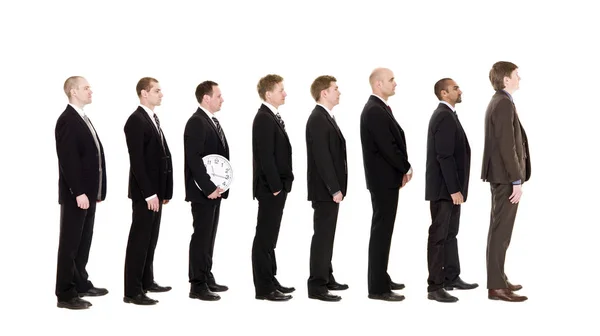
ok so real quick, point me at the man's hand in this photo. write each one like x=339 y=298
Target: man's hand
x=216 y=194
x=515 y=197
x=153 y=204
x=83 y=202
x=165 y=201
x=338 y=197
x=457 y=198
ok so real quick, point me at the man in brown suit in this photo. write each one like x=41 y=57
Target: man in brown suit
x=506 y=167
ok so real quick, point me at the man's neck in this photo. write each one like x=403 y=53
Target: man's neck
x=206 y=109
x=327 y=105
x=149 y=106
x=381 y=95
x=77 y=104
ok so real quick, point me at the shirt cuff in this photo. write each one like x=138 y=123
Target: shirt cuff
x=151 y=197
x=517 y=182
x=409 y=171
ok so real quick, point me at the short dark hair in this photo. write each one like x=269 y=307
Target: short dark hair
x=499 y=71
x=440 y=85
x=321 y=83
x=144 y=84
x=204 y=88
x=266 y=84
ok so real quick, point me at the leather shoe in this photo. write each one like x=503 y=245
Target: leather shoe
x=94 y=291
x=140 y=299
x=275 y=295
x=460 y=284
x=217 y=288
x=205 y=295
x=387 y=297
x=326 y=296
x=512 y=287
x=337 y=286
x=155 y=288
x=396 y=286
x=284 y=290
x=441 y=295
x=74 y=303
x=505 y=294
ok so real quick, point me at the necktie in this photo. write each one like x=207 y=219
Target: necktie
x=162 y=140
x=334 y=122
x=95 y=136
x=219 y=130
x=278 y=116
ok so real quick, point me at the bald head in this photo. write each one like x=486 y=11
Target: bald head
x=383 y=82
x=78 y=91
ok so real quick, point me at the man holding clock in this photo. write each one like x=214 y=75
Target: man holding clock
x=204 y=136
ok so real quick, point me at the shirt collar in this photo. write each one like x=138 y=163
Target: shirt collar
x=447 y=104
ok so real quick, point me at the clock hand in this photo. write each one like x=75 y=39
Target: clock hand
x=219 y=176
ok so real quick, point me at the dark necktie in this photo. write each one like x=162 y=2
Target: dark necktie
x=278 y=116
x=334 y=122
x=162 y=140
x=220 y=131
x=95 y=136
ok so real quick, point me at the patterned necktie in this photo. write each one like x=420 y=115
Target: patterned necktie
x=219 y=130
x=162 y=140
x=278 y=116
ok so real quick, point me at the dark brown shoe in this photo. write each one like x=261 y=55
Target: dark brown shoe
x=512 y=287
x=505 y=294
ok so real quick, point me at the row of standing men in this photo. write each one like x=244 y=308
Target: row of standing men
x=82 y=184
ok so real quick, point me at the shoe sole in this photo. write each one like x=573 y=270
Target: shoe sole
x=443 y=301
x=126 y=300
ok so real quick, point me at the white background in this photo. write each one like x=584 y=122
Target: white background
x=113 y=44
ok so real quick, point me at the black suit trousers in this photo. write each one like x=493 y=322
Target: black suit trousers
x=202 y=243
x=75 y=240
x=264 y=264
x=139 y=256
x=385 y=204
x=321 y=248
x=442 y=245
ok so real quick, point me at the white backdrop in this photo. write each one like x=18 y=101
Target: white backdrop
x=554 y=247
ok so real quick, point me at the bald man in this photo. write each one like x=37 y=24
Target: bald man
x=81 y=184
x=386 y=170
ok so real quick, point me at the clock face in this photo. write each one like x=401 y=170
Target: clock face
x=219 y=169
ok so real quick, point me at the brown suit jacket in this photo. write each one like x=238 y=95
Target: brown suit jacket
x=506 y=151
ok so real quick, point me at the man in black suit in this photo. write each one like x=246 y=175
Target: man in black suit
x=387 y=169
x=203 y=136
x=272 y=181
x=327 y=174
x=81 y=184
x=446 y=187
x=150 y=186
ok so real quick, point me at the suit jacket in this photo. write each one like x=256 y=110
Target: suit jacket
x=150 y=165
x=201 y=138
x=271 y=155
x=385 y=158
x=506 y=151
x=78 y=166
x=327 y=170
x=448 y=156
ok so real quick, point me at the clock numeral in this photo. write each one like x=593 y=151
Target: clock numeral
x=227 y=177
x=227 y=170
x=216 y=160
x=209 y=161
x=221 y=164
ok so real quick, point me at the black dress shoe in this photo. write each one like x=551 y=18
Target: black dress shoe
x=336 y=286
x=74 y=303
x=387 y=297
x=325 y=297
x=205 y=295
x=396 y=286
x=155 y=288
x=217 y=288
x=284 y=290
x=460 y=284
x=94 y=291
x=274 y=296
x=441 y=295
x=140 y=299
